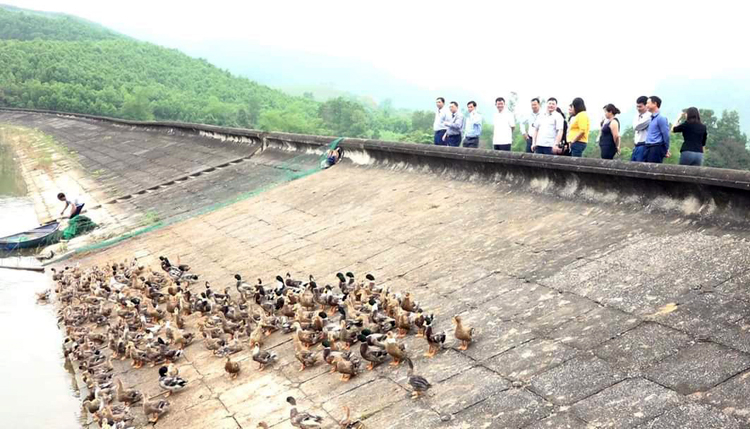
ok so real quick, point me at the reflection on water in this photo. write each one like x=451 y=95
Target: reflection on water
x=35 y=389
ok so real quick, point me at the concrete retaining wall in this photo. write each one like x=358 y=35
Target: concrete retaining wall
x=702 y=193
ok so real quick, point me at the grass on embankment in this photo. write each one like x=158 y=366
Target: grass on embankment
x=41 y=148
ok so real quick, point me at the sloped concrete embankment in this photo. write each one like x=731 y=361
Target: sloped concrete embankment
x=134 y=178
x=699 y=193
x=578 y=306
x=590 y=311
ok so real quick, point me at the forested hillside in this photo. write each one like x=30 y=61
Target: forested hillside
x=61 y=63
x=17 y=25
x=58 y=62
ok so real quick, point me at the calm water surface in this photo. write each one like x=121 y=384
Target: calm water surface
x=36 y=391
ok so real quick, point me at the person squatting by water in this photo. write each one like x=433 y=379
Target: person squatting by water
x=333 y=156
x=75 y=203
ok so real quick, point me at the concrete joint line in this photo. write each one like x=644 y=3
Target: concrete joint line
x=739 y=373
x=521 y=344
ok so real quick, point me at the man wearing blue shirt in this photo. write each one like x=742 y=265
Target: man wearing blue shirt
x=657 y=139
x=473 y=127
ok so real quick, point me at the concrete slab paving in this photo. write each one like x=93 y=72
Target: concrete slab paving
x=370 y=397
x=464 y=390
x=525 y=361
x=703 y=313
x=736 y=335
x=731 y=397
x=558 y=310
x=404 y=414
x=642 y=347
x=699 y=367
x=737 y=287
x=575 y=379
x=692 y=416
x=626 y=404
x=560 y=421
x=511 y=409
x=591 y=329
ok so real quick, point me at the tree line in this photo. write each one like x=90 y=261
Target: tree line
x=66 y=64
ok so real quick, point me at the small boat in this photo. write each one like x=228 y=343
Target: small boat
x=29 y=239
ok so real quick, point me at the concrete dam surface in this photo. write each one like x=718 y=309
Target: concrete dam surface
x=599 y=296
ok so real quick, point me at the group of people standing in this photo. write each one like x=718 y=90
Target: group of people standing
x=548 y=132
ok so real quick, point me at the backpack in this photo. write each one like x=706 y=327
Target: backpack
x=562 y=148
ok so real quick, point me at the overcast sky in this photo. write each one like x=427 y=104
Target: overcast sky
x=603 y=51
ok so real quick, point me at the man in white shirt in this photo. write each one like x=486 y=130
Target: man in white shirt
x=504 y=123
x=549 y=129
x=75 y=203
x=527 y=125
x=640 y=126
x=439 y=124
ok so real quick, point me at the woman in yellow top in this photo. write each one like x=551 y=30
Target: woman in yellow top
x=578 y=130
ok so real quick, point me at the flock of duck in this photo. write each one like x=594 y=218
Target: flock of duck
x=127 y=311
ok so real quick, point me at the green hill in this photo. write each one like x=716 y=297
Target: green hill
x=69 y=65
x=19 y=24
x=58 y=62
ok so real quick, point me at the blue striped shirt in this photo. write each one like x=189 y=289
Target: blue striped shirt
x=658 y=131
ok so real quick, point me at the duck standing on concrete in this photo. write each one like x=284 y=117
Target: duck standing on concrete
x=306 y=357
x=463 y=333
x=372 y=354
x=263 y=357
x=418 y=383
x=171 y=384
x=396 y=350
x=127 y=396
x=232 y=368
x=302 y=420
x=155 y=409
x=347 y=423
x=435 y=341
x=347 y=365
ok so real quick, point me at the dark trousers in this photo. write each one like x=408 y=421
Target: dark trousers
x=453 y=140
x=577 y=148
x=504 y=147
x=529 y=141
x=471 y=142
x=543 y=150
x=691 y=158
x=77 y=211
x=439 y=137
x=608 y=151
x=655 y=153
x=639 y=153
